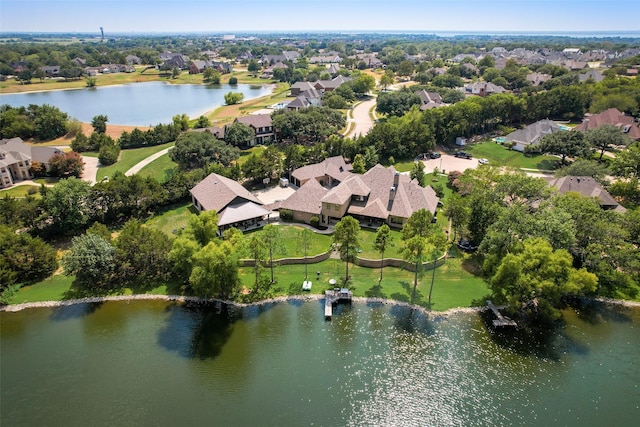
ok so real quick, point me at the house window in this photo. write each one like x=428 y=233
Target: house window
x=336 y=207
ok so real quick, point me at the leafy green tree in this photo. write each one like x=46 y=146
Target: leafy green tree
x=384 y=240
x=215 y=271
x=181 y=121
x=257 y=252
x=183 y=249
x=99 y=123
x=80 y=143
x=536 y=278
x=202 y=122
x=584 y=167
x=49 y=122
x=566 y=144
x=211 y=76
x=142 y=253
x=346 y=237
x=253 y=66
x=202 y=228
x=386 y=80
x=405 y=68
x=358 y=164
x=417 y=173
x=627 y=162
x=273 y=243
x=198 y=149
x=458 y=212
x=108 y=153
x=68 y=205
x=239 y=135
x=24 y=76
x=605 y=137
x=101 y=230
x=232 y=98
x=175 y=72
x=363 y=84
x=97 y=140
x=396 y=103
x=92 y=260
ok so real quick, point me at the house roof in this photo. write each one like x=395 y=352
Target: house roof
x=256 y=120
x=241 y=212
x=217 y=131
x=335 y=167
x=429 y=99
x=534 y=132
x=306 y=199
x=16 y=150
x=587 y=187
x=302 y=86
x=614 y=117
x=216 y=192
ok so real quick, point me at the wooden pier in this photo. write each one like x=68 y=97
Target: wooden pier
x=500 y=319
x=334 y=296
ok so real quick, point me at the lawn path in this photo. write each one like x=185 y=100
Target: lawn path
x=136 y=168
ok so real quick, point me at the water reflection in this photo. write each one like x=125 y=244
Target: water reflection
x=74 y=311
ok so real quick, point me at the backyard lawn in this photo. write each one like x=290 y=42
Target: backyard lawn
x=498 y=155
x=130 y=158
x=172 y=218
x=159 y=168
x=21 y=191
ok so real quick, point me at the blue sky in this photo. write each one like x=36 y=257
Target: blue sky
x=138 y=16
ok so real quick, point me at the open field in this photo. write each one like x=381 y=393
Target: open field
x=159 y=168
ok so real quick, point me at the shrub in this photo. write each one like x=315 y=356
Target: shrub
x=108 y=154
x=286 y=215
x=314 y=221
x=439 y=189
x=233 y=81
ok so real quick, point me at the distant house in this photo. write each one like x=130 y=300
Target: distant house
x=595 y=75
x=269 y=71
x=16 y=159
x=429 y=100
x=331 y=171
x=217 y=131
x=536 y=79
x=308 y=98
x=298 y=87
x=262 y=127
x=482 y=89
x=51 y=70
x=330 y=85
x=587 y=187
x=531 y=135
x=325 y=59
x=235 y=205
x=133 y=60
x=291 y=55
x=614 y=117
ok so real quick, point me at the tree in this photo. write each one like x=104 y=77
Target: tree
x=606 y=136
x=65 y=165
x=232 y=98
x=305 y=237
x=68 y=205
x=80 y=143
x=458 y=212
x=273 y=243
x=198 y=149
x=48 y=122
x=142 y=253
x=202 y=228
x=92 y=260
x=405 y=68
x=417 y=173
x=358 y=164
x=211 y=76
x=566 y=144
x=396 y=103
x=108 y=153
x=536 y=278
x=181 y=121
x=386 y=80
x=181 y=256
x=627 y=162
x=99 y=123
x=253 y=66
x=202 y=122
x=384 y=239
x=363 y=84
x=258 y=252
x=175 y=72
x=215 y=271
x=239 y=135
x=346 y=237
x=24 y=76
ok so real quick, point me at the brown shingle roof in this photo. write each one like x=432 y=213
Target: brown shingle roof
x=216 y=192
x=335 y=167
x=256 y=120
x=587 y=187
x=614 y=117
x=306 y=199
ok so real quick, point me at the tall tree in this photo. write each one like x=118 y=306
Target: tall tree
x=215 y=271
x=142 y=253
x=66 y=164
x=68 y=205
x=346 y=236
x=198 y=149
x=274 y=244
x=99 y=123
x=627 y=162
x=92 y=260
x=605 y=137
x=384 y=240
x=239 y=135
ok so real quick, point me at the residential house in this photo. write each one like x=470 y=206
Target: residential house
x=235 y=205
x=329 y=85
x=269 y=71
x=211 y=55
x=325 y=59
x=80 y=61
x=291 y=55
x=587 y=187
x=333 y=69
x=595 y=75
x=16 y=159
x=379 y=196
x=175 y=60
x=482 y=89
x=536 y=79
x=614 y=117
x=267 y=60
x=305 y=203
x=51 y=70
x=429 y=100
x=308 y=98
x=331 y=171
x=217 y=131
x=262 y=127
x=132 y=60
x=298 y=87
x=531 y=135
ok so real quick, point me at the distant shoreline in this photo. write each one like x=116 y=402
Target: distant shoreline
x=314 y=297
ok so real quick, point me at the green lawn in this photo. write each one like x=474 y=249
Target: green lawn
x=289 y=233
x=244 y=154
x=498 y=155
x=159 y=168
x=130 y=158
x=367 y=240
x=21 y=191
x=172 y=218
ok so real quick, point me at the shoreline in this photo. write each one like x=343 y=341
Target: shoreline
x=314 y=297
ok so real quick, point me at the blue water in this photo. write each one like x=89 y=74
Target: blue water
x=137 y=104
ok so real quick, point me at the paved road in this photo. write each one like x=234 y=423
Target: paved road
x=90 y=169
x=136 y=168
x=362 y=119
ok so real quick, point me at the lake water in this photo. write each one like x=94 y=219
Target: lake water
x=137 y=104
x=159 y=363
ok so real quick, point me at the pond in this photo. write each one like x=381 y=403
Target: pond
x=137 y=104
x=280 y=364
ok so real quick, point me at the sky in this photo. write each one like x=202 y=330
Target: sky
x=246 y=16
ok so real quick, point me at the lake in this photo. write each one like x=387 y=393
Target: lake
x=281 y=364
x=137 y=104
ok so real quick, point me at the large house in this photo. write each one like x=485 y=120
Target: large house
x=329 y=191
x=614 y=117
x=429 y=100
x=587 y=187
x=235 y=205
x=16 y=159
x=531 y=135
x=262 y=127
x=482 y=89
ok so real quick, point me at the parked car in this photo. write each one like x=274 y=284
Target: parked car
x=467 y=245
x=483 y=161
x=434 y=155
x=462 y=155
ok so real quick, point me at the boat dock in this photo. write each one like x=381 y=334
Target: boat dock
x=334 y=296
x=500 y=319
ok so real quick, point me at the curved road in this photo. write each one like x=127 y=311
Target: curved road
x=362 y=119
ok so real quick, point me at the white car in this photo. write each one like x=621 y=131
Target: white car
x=483 y=161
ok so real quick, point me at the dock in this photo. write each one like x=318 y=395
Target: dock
x=335 y=296
x=500 y=319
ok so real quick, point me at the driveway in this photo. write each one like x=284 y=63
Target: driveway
x=273 y=194
x=448 y=163
x=90 y=169
x=362 y=119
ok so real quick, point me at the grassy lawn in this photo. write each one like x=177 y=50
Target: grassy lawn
x=244 y=154
x=289 y=233
x=130 y=158
x=159 y=168
x=367 y=240
x=172 y=218
x=403 y=165
x=498 y=155
x=21 y=191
